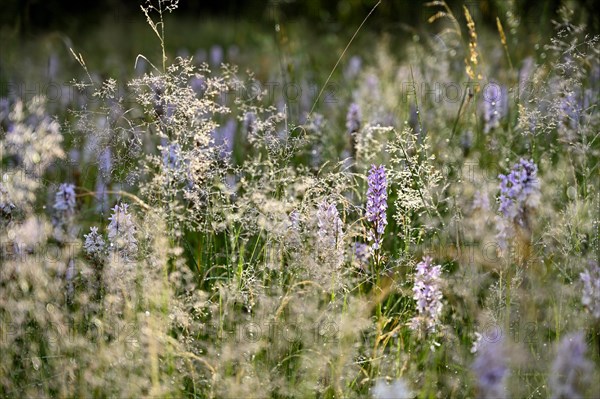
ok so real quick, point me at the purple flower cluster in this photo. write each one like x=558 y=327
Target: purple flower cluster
x=491 y=370
x=377 y=204
x=571 y=371
x=519 y=190
x=591 y=289
x=353 y=118
x=427 y=294
x=519 y=193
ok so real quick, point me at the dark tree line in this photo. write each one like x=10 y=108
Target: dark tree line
x=32 y=16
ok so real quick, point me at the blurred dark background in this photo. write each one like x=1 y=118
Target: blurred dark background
x=28 y=17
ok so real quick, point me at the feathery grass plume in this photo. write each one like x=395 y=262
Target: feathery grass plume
x=398 y=389
x=491 y=370
x=472 y=61
x=571 y=372
x=590 y=297
x=376 y=207
x=416 y=180
x=519 y=197
x=33 y=137
x=428 y=295
x=32 y=142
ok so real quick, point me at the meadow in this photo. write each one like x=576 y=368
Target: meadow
x=277 y=213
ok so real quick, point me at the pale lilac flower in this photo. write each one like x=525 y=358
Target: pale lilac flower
x=353 y=68
x=362 y=253
x=571 y=371
x=94 y=244
x=216 y=55
x=353 y=118
x=224 y=137
x=105 y=162
x=494 y=106
x=427 y=294
x=377 y=204
x=172 y=157
x=295 y=218
x=491 y=370
x=65 y=198
x=570 y=109
x=591 y=289
x=121 y=231
x=481 y=201
x=101 y=194
x=398 y=389
x=198 y=84
x=330 y=225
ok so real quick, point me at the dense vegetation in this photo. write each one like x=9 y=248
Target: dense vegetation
x=299 y=214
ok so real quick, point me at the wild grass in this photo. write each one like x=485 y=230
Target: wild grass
x=424 y=225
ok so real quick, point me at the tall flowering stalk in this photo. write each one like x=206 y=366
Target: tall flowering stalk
x=519 y=195
x=377 y=205
x=427 y=294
